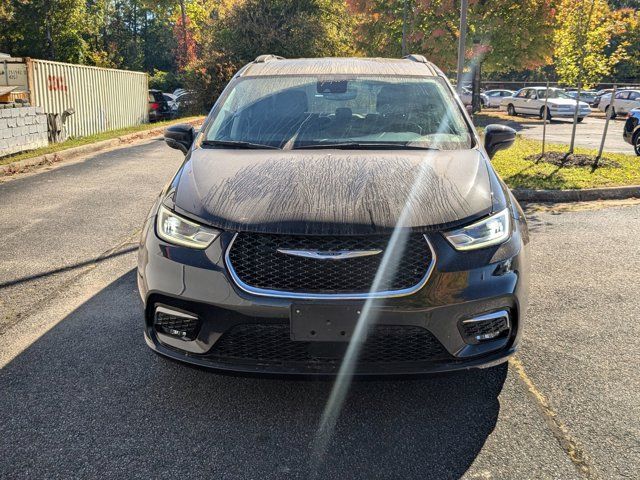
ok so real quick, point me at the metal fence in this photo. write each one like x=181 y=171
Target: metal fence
x=103 y=99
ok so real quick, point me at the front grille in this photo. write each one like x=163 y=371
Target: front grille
x=270 y=344
x=258 y=264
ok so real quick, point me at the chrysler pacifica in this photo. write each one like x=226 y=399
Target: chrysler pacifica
x=334 y=202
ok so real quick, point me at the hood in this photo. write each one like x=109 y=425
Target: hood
x=566 y=102
x=333 y=191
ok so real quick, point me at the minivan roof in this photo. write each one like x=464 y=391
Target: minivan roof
x=271 y=65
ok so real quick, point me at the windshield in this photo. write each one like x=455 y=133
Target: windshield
x=555 y=93
x=297 y=112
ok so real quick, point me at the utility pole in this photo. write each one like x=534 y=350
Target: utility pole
x=404 y=28
x=462 y=43
x=183 y=17
x=608 y=115
x=546 y=115
x=583 y=43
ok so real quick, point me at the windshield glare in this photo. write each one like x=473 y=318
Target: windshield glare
x=292 y=112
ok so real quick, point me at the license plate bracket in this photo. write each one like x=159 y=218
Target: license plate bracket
x=323 y=323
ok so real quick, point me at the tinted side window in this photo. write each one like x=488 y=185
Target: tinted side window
x=634 y=96
x=622 y=95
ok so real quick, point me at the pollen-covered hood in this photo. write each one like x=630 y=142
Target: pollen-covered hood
x=333 y=191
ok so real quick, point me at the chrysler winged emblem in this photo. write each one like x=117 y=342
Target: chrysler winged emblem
x=330 y=255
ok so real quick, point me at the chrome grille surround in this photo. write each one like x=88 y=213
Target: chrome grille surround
x=334 y=296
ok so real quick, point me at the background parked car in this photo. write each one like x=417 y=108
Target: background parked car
x=466 y=95
x=531 y=101
x=158 y=106
x=492 y=98
x=171 y=101
x=587 y=96
x=626 y=100
x=599 y=95
x=631 y=132
x=186 y=102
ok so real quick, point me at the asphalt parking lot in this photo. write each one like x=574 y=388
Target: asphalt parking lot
x=81 y=396
x=588 y=133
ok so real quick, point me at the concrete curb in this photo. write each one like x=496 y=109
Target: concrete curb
x=585 y=195
x=73 y=153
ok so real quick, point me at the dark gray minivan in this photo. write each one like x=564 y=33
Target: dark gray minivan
x=331 y=205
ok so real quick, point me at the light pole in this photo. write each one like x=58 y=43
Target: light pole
x=404 y=28
x=461 y=43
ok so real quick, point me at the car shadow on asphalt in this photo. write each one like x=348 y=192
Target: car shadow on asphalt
x=89 y=399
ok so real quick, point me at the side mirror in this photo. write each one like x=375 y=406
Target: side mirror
x=180 y=137
x=498 y=137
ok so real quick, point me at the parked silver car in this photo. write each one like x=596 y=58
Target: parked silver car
x=492 y=98
x=626 y=100
x=531 y=101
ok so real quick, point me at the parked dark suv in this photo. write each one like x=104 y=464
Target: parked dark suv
x=332 y=205
x=631 y=132
x=158 y=106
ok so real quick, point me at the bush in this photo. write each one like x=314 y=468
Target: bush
x=290 y=28
x=164 y=81
x=206 y=78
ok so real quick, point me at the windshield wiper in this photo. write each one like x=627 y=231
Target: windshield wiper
x=364 y=146
x=237 y=144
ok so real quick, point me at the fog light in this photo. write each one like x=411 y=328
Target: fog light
x=176 y=323
x=486 y=327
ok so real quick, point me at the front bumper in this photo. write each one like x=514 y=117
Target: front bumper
x=583 y=112
x=461 y=286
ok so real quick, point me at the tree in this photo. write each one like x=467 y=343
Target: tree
x=626 y=21
x=58 y=34
x=291 y=28
x=581 y=38
x=509 y=34
x=239 y=31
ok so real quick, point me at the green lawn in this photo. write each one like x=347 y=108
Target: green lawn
x=77 y=142
x=518 y=172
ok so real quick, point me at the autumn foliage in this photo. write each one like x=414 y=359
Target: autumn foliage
x=198 y=44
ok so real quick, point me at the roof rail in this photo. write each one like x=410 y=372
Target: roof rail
x=267 y=58
x=415 y=58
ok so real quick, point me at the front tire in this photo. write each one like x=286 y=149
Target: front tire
x=636 y=143
x=511 y=110
x=580 y=119
x=613 y=111
x=542 y=112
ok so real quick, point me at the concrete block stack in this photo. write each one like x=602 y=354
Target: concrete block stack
x=22 y=128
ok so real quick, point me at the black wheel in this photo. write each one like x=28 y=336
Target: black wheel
x=613 y=111
x=511 y=110
x=636 y=143
x=580 y=119
x=541 y=115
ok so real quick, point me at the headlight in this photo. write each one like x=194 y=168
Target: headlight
x=487 y=232
x=180 y=231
